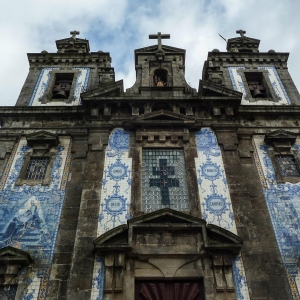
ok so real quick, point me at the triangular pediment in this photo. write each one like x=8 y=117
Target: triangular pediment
x=208 y=89
x=161 y=118
x=243 y=40
x=42 y=137
x=164 y=222
x=167 y=50
x=282 y=136
x=153 y=49
x=243 y=44
x=66 y=40
x=71 y=44
x=10 y=255
x=163 y=114
x=114 y=89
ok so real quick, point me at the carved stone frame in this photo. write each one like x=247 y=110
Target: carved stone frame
x=269 y=87
x=42 y=144
x=47 y=98
x=281 y=179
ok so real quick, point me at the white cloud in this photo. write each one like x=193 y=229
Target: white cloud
x=120 y=26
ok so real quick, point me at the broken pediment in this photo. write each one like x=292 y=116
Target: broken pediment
x=114 y=89
x=42 y=137
x=170 y=232
x=161 y=117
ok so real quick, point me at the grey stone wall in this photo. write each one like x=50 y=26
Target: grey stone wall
x=265 y=273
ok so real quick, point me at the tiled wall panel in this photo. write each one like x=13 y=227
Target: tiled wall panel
x=283 y=202
x=115 y=196
x=215 y=198
x=29 y=215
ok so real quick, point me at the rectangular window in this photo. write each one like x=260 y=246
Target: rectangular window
x=288 y=166
x=164 y=180
x=37 y=167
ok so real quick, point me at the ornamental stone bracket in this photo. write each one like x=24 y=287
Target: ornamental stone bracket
x=167 y=245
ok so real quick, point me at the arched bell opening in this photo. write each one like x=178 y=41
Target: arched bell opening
x=160 y=78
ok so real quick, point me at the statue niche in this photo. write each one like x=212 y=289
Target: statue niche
x=160 y=78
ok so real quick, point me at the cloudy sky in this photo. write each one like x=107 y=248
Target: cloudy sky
x=120 y=26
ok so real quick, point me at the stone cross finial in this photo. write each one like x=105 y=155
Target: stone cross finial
x=74 y=33
x=241 y=32
x=159 y=37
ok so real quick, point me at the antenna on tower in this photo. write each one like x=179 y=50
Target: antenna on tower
x=222 y=37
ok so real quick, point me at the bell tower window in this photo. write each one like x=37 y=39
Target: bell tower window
x=160 y=78
x=256 y=84
x=62 y=85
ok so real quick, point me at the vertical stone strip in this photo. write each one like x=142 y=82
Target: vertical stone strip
x=30 y=216
x=284 y=208
x=215 y=199
x=115 y=196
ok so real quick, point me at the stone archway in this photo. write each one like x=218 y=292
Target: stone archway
x=169 y=250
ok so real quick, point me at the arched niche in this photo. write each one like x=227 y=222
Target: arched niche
x=160 y=78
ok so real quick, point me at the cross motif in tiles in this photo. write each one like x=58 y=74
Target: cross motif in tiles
x=164 y=182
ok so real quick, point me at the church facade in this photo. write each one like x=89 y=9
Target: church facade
x=162 y=191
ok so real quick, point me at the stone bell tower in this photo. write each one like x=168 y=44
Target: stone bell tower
x=160 y=70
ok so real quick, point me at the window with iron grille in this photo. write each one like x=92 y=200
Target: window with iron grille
x=164 y=181
x=37 y=167
x=288 y=166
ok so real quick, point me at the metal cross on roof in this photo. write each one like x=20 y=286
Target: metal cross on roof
x=241 y=32
x=159 y=37
x=74 y=33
